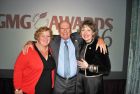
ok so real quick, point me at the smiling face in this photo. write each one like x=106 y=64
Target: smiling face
x=65 y=30
x=87 y=33
x=44 y=38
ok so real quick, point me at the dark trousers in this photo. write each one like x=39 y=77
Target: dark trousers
x=89 y=85
x=65 y=86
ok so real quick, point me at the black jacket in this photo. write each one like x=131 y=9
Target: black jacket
x=94 y=57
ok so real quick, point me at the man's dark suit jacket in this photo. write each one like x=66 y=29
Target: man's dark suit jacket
x=55 y=45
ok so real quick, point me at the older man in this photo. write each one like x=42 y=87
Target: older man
x=65 y=52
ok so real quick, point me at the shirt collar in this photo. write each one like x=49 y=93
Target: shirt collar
x=65 y=40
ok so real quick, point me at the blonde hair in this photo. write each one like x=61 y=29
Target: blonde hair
x=40 y=30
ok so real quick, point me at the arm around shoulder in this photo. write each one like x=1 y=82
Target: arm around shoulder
x=26 y=47
x=101 y=43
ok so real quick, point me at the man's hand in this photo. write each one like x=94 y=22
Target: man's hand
x=26 y=47
x=102 y=46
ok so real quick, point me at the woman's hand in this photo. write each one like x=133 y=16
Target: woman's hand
x=26 y=47
x=18 y=91
x=82 y=64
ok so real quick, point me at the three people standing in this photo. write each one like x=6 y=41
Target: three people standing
x=66 y=84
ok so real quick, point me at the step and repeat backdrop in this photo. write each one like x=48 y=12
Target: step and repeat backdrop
x=20 y=18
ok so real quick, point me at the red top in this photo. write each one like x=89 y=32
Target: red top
x=27 y=71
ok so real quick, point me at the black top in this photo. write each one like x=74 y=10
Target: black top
x=44 y=84
x=94 y=57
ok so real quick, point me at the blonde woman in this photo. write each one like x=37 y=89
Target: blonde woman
x=34 y=72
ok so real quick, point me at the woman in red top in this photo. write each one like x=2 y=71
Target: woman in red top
x=34 y=72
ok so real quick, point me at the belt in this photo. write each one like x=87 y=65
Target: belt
x=66 y=78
